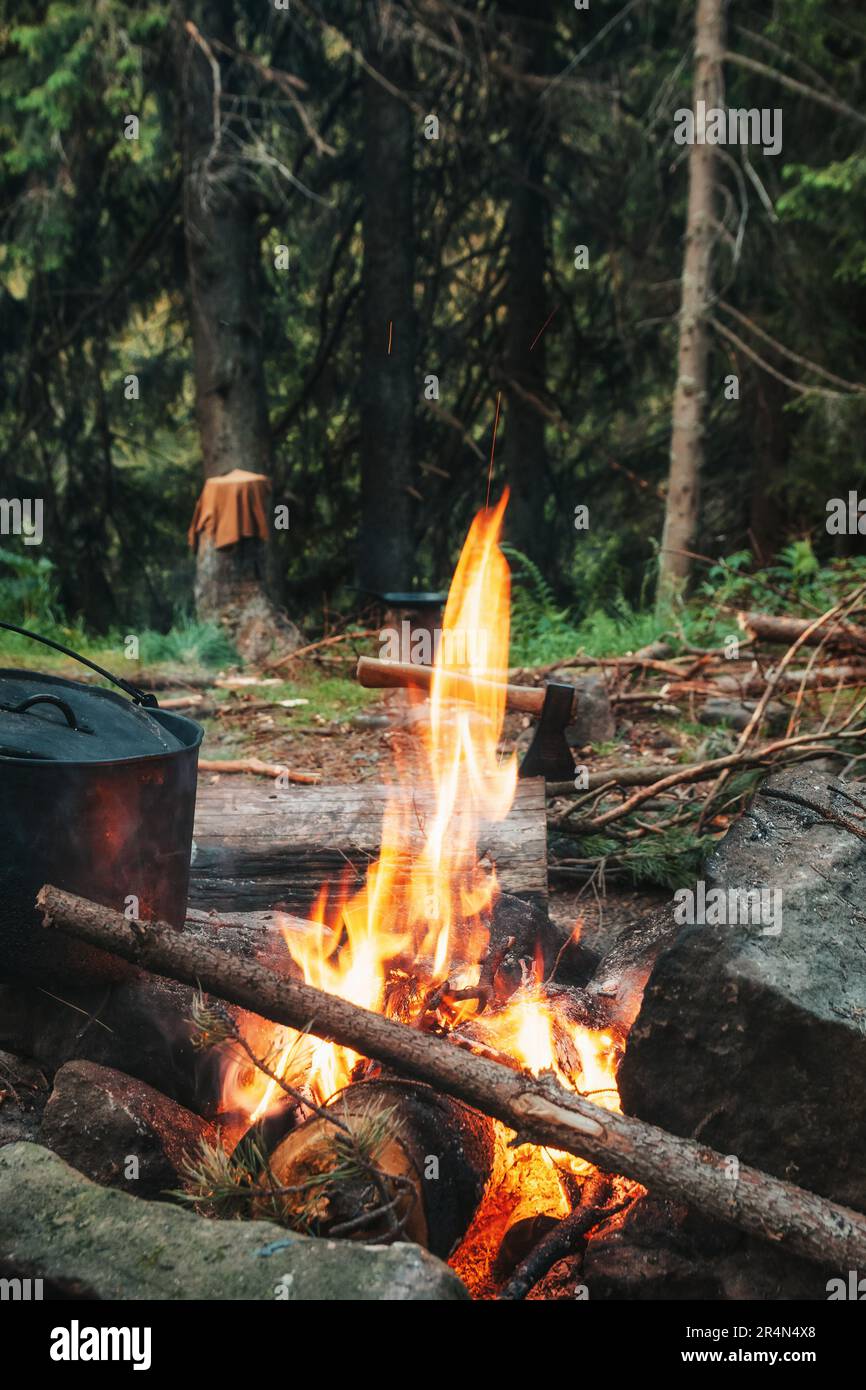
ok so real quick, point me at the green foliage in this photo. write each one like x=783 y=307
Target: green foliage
x=796 y=582
x=826 y=199
x=188 y=643
x=667 y=860
x=543 y=632
x=29 y=598
x=94 y=286
x=221 y=1184
x=28 y=589
x=617 y=630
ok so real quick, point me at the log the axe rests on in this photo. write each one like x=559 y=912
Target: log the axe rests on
x=554 y=705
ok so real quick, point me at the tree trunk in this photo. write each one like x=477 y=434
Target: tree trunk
x=523 y=443
x=235 y=585
x=771 y=440
x=690 y=394
x=386 y=548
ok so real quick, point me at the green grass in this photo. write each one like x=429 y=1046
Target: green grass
x=542 y=631
x=332 y=698
x=198 y=647
x=189 y=643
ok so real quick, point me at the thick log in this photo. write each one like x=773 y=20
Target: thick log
x=440 y=1200
x=820 y=677
x=539 y=1110
x=256 y=845
x=784 y=630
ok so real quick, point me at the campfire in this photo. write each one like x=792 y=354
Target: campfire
x=428 y=941
x=423 y=1064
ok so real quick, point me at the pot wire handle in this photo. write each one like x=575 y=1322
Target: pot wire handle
x=139 y=697
x=68 y=711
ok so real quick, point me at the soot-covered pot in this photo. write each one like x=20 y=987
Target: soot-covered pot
x=97 y=795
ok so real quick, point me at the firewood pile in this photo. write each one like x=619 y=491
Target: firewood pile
x=783 y=691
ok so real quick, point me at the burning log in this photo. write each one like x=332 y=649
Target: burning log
x=441 y=1150
x=563 y=1238
x=622 y=973
x=540 y=1111
x=520 y=933
x=255 y=848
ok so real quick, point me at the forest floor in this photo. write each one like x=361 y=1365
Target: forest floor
x=363 y=736
x=331 y=726
x=608 y=871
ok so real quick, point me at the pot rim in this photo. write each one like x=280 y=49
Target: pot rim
x=186 y=729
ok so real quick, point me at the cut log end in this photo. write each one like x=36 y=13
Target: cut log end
x=439 y=1151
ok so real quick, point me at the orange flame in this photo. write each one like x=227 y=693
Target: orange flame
x=419 y=922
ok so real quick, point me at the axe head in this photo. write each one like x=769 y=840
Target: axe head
x=549 y=755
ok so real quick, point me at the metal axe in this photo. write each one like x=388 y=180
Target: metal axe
x=554 y=705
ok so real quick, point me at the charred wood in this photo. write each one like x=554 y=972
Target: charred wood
x=539 y=1110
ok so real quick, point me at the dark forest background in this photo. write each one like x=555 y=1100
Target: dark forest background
x=306 y=128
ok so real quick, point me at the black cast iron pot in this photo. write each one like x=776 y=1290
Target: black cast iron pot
x=97 y=795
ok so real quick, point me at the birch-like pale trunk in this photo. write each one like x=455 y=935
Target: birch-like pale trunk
x=690 y=394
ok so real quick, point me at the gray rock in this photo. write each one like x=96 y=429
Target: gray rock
x=736 y=713
x=662 y=1250
x=98 y=1243
x=98 y=1119
x=756 y=1043
x=593 y=721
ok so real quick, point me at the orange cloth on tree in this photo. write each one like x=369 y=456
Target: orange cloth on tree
x=232 y=507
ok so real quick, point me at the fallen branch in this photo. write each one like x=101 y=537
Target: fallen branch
x=702 y=772
x=769 y=628
x=616 y=663
x=811 y=678
x=648 y=775
x=261 y=769
x=205 y=709
x=813 y=630
x=322 y=642
x=539 y=1110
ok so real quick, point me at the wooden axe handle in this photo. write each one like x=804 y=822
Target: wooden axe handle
x=377 y=674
